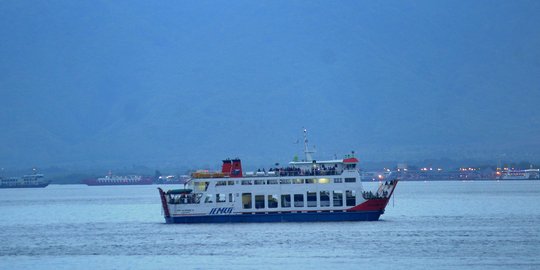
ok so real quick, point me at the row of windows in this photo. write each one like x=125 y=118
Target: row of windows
x=279 y=181
x=220 y=198
x=309 y=199
x=258 y=201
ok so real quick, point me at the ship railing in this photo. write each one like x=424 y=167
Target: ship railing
x=293 y=173
x=208 y=175
x=272 y=173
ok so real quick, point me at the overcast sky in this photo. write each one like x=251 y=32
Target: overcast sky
x=192 y=82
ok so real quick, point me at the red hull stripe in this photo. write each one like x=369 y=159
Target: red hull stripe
x=371 y=205
x=375 y=204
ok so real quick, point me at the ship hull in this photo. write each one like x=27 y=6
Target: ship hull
x=279 y=217
x=25 y=186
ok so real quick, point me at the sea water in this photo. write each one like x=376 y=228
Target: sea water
x=440 y=224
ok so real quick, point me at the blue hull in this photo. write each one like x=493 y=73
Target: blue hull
x=279 y=217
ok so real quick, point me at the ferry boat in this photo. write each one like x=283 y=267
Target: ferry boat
x=119 y=180
x=27 y=181
x=308 y=190
x=528 y=174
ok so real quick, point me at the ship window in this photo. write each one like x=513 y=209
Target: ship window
x=247 y=182
x=208 y=198
x=221 y=198
x=298 y=200
x=350 y=180
x=246 y=200
x=259 y=201
x=285 y=181
x=272 y=201
x=298 y=181
x=286 y=200
x=338 y=197
x=310 y=181
x=230 y=183
x=231 y=197
x=350 y=197
x=324 y=180
x=311 y=199
x=221 y=183
x=259 y=182
x=272 y=182
x=338 y=180
x=325 y=198
x=202 y=186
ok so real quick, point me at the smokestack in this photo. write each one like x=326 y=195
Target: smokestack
x=226 y=167
x=236 y=170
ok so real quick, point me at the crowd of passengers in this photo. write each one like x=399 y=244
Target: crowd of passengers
x=184 y=198
x=293 y=171
x=371 y=195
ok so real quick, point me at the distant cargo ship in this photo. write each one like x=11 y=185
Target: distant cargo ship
x=27 y=181
x=119 y=180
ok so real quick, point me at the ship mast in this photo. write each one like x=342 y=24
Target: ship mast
x=307 y=152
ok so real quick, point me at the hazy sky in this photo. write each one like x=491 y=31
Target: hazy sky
x=192 y=82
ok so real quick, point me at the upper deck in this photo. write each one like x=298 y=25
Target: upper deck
x=307 y=167
x=233 y=169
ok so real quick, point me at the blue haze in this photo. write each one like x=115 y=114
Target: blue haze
x=103 y=83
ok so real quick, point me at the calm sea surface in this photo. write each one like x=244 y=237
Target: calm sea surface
x=441 y=225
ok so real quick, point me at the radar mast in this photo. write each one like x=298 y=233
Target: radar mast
x=307 y=151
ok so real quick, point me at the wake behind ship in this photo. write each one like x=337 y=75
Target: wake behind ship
x=307 y=190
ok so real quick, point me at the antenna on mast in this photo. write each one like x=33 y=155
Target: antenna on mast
x=307 y=152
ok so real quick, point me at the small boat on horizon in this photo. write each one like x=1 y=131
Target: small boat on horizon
x=173 y=179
